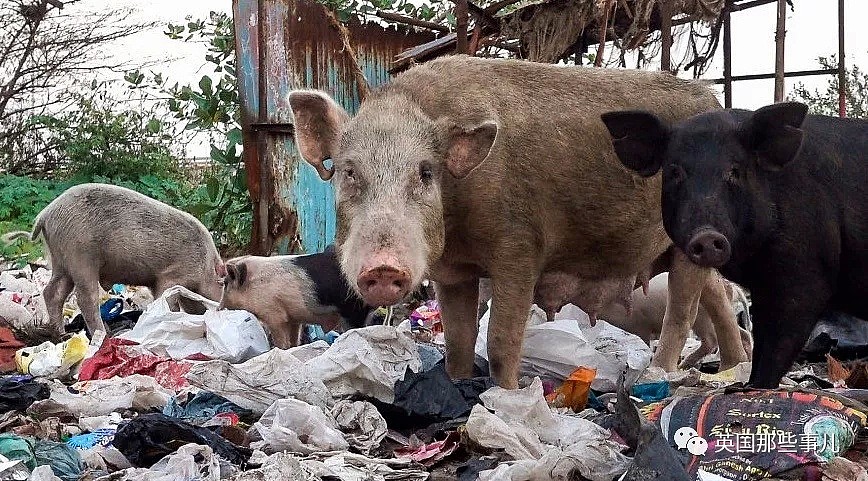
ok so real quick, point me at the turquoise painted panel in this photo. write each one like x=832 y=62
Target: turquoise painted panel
x=303 y=50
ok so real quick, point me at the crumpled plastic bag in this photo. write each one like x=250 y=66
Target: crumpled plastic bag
x=356 y=467
x=43 y=473
x=528 y=430
x=256 y=384
x=15 y=448
x=101 y=397
x=192 y=462
x=306 y=352
x=230 y=335
x=431 y=396
x=64 y=460
x=367 y=361
x=203 y=407
x=279 y=466
x=293 y=425
x=146 y=439
x=362 y=424
x=19 y=394
x=52 y=360
x=122 y=358
x=555 y=349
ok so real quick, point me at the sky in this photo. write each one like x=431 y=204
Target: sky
x=811 y=32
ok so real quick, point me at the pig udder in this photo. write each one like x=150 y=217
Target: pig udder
x=556 y=289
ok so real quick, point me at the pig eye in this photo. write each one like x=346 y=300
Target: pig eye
x=425 y=174
x=349 y=172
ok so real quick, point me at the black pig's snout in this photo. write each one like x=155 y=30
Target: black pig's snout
x=709 y=248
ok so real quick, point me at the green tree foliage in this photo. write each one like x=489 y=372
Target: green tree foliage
x=825 y=102
x=97 y=139
x=211 y=109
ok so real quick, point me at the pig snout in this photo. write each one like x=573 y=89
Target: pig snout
x=709 y=248
x=384 y=281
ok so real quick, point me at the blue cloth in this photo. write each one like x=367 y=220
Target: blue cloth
x=202 y=408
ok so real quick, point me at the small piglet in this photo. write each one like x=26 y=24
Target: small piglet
x=99 y=235
x=285 y=292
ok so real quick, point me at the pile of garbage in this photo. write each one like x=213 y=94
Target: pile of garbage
x=168 y=395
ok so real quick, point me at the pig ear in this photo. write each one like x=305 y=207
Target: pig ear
x=639 y=139
x=466 y=148
x=318 y=124
x=241 y=273
x=774 y=133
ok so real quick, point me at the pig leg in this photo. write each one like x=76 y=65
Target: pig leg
x=682 y=304
x=458 y=307
x=512 y=296
x=717 y=303
x=782 y=326
x=705 y=332
x=55 y=294
x=87 y=296
x=293 y=334
x=281 y=335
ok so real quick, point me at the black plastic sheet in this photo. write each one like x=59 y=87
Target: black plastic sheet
x=148 y=438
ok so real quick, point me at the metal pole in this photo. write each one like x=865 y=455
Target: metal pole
x=780 y=33
x=842 y=74
x=264 y=164
x=727 y=56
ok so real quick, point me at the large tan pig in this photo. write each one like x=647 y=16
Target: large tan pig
x=464 y=167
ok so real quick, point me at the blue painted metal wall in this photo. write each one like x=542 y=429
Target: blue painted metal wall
x=286 y=44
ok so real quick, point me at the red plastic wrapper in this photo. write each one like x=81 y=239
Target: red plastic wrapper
x=120 y=357
x=8 y=345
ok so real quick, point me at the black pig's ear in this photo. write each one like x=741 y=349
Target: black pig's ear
x=236 y=273
x=774 y=133
x=639 y=139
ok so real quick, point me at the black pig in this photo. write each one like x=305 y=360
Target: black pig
x=777 y=200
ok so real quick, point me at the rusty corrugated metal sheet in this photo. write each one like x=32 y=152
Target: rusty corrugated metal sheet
x=282 y=45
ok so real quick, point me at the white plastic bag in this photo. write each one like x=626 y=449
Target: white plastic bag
x=257 y=383
x=555 y=349
x=101 y=397
x=546 y=444
x=293 y=425
x=363 y=426
x=368 y=361
x=231 y=335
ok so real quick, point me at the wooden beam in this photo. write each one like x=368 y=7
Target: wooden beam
x=780 y=34
x=666 y=35
x=397 y=18
x=598 y=61
x=727 y=55
x=842 y=73
x=460 y=12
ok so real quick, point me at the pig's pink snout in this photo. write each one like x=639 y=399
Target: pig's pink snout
x=384 y=285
